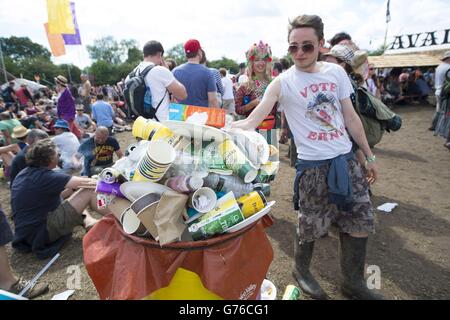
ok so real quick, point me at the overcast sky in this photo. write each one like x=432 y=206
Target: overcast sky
x=224 y=28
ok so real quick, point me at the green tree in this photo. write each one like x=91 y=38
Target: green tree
x=73 y=76
x=103 y=72
x=378 y=52
x=106 y=49
x=177 y=53
x=38 y=65
x=111 y=51
x=134 y=56
x=226 y=63
x=21 y=48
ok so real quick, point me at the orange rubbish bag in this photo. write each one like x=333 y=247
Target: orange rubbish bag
x=124 y=267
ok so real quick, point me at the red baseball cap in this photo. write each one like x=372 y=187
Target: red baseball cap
x=192 y=45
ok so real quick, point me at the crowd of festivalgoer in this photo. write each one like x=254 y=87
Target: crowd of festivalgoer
x=49 y=135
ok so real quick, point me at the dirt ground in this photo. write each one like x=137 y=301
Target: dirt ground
x=411 y=245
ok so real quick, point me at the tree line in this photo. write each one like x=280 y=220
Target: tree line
x=112 y=60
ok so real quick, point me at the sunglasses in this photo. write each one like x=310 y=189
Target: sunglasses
x=306 y=48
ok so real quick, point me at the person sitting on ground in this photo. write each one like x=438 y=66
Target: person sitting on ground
x=18 y=162
x=98 y=152
x=8 y=281
x=42 y=223
x=2 y=105
x=67 y=144
x=84 y=122
x=30 y=122
x=7 y=125
x=7 y=153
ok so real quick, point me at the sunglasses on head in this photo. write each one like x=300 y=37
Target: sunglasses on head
x=306 y=48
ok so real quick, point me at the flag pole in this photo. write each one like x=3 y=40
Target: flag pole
x=388 y=18
x=3 y=63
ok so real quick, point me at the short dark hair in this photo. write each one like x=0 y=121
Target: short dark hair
x=242 y=65
x=40 y=154
x=152 y=47
x=338 y=37
x=278 y=66
x=285 y=62
x=307 y=21
x=100 y=96
x=173 y=64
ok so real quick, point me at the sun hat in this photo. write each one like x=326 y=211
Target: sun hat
x=61 y=80
x=19 y=132
x=192 y=45
x=63 y=124
x=341 y=52
x=446 y=55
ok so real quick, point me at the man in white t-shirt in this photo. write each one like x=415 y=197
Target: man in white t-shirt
x=67 y=144
x=330 y=186
x=160 y=80
x=228 y=96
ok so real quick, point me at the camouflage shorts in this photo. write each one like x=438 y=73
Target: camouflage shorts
x=317 y=214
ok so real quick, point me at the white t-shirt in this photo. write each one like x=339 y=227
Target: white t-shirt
x=227 y=88
x=159 y=79
x=311 y=103
x=67 y=144
x=440 y=77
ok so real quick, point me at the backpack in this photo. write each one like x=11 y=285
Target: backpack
x=138 y=96
x=375 y=116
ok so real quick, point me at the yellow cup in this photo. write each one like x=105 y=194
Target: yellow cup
x=252 y=203
x=151 y=130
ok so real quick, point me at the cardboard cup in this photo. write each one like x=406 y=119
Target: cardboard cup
x=211 y=199
x=157 y=160
x=131 y=224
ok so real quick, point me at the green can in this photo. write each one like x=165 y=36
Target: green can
x=291 y=293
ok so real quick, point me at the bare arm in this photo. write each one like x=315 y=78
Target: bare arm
x=177 y=90
x=78 y=182
x=7 y=137
x=212 y=100
x=356 y=130
x=261 y=111
x=119 y=154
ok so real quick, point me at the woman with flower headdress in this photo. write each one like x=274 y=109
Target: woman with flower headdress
x=250 y=93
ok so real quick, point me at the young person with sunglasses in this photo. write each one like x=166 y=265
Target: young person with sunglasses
x=330 y=186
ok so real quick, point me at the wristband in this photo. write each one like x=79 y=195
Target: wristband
x=371 y=159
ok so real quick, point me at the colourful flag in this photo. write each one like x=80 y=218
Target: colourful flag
x=388 y=12
x=59 y=17
x=73 y=39
x=56 y=42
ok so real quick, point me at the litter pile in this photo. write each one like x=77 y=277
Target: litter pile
x=185 y=181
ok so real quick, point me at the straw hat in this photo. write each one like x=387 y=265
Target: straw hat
x=61 y=81
x=19 y=132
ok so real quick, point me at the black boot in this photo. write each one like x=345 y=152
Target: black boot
x=353 y=256
x=309 y=285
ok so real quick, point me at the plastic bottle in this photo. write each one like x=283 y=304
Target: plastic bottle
x=185 y=184
x=228 y=183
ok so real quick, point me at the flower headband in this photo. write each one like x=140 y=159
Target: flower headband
x=262 y=50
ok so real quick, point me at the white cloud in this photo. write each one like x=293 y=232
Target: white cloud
x=224 y=28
